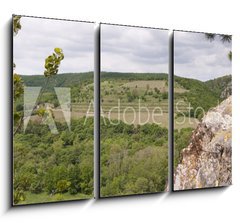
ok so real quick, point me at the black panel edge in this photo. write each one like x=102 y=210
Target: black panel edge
x=97 y=112
x=42 y=17
x=11 y=112
x=171 y=112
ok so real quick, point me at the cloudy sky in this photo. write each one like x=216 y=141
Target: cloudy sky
x=195 y=57
x=132 y=49
x=38 y=38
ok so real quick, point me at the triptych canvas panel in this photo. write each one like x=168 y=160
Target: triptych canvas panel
x=134 y=110
x=202 y=110
x=53 y=110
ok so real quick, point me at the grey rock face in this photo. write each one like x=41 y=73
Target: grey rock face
x=227 y=91
x=207 y=161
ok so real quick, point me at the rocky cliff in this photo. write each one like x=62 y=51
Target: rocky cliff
x=227 y=91
x=206 y=162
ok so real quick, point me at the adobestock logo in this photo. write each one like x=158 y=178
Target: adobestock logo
x=138 y=113
x=135 y=114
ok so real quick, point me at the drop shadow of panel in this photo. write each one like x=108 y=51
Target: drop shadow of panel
x=9 y=107
x=131 y=197
x=51 y=204
x=197 y=192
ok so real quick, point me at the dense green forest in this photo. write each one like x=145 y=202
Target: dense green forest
x=134 y=159
x=53 y=167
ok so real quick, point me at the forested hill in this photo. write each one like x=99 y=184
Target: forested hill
x=222 y=86
x=205 y=94
x=134 y=76
x=216 y=88
x=70 y=79
x=60 y=80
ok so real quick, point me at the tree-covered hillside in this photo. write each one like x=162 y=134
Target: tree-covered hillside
x=53 y=167
x=201 y=94
x=71 y=79
x=60 y=80
x=134 y=159
x=222 y=86
x=133 y=76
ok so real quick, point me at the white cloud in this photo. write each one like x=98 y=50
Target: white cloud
x=133 y=49
x=38 y=38
x=123 y=49
x=196 y=57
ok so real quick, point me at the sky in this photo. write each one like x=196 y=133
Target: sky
x=198 y=58
x=134 y=49
x=123 y=49
x=38 y=38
